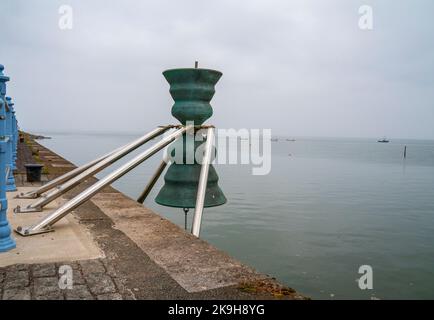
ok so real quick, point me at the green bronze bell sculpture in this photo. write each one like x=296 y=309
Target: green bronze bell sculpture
x=192 y=90
x=189 y=183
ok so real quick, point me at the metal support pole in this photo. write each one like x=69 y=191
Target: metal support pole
x=203 y=179
x=46 y=224
x=63 y=178
x=153 y=180
x=6 y=241
x=54 y=194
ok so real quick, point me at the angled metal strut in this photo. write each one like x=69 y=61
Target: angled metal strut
x=203 y=180
x=33 y=194
x=201 y=190
x=101 y=165
x=154 y=179
x=46 y=224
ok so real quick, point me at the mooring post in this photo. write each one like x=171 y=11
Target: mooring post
x=405 y=152
x=6 y=241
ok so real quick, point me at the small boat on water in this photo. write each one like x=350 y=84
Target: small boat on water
x=274 y=139
x=292 y=140
x=384 y=140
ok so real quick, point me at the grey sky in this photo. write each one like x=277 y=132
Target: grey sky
x=301 y=68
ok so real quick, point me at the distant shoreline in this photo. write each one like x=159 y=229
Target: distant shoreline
x=37 y=136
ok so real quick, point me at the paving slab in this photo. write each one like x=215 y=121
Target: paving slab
x=70 y=241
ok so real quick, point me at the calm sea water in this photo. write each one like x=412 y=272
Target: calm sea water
x=327 y=207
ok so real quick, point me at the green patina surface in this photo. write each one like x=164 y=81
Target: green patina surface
x=192 y=91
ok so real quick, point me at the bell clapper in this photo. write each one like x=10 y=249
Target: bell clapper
x=185 y=217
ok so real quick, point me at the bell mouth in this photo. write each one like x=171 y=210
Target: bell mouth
x=183 y=195
x=190 y=206
x=181 y=186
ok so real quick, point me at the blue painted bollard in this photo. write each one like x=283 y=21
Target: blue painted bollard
x=10 y=181
x=15 y=145
x=14 y=133
x=17 y=137
x=6 y=241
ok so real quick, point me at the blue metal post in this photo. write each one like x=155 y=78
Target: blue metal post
x=17 y=137
x=10 y=182
x=14 y=133
x=15 y=150
x=6 y=241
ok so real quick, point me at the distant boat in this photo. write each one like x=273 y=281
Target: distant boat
x=290 y=140
x=274 y=139
x=384 y=140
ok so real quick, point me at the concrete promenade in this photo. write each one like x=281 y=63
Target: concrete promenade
x=117 y=249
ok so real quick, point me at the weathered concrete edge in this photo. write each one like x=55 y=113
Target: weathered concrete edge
x=193 y=263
